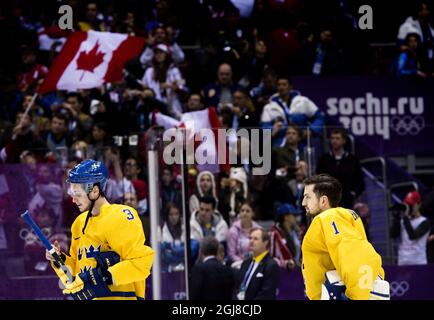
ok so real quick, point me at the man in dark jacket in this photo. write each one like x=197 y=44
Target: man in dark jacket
x=258 y=278
x=211 y=279
x=343 y=166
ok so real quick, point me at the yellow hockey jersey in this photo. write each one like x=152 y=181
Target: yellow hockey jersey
x=117 y=228
x=336 y=240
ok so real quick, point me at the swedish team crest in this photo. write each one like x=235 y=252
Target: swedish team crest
x=90 y=252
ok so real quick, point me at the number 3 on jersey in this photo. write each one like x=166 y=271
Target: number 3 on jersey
x=334 y=227
x=130 y=215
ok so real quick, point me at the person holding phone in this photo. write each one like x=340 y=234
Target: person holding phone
x=413 y=230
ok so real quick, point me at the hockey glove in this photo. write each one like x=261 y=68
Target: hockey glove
x=88 y=285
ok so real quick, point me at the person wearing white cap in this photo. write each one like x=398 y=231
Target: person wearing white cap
x=165 y=79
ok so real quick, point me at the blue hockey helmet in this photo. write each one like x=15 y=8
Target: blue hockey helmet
x=88 y=173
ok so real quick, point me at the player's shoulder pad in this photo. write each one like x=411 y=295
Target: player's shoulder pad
x=326 y=215
x=334 y=214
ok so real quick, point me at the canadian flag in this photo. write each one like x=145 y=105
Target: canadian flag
x=90 y=59
x=193 y=122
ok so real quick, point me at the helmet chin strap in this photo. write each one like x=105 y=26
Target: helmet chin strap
x=89 y=213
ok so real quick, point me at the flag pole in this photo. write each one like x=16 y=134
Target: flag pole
x=26 y=112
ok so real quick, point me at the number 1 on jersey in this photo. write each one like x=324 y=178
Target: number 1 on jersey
x=334 y=226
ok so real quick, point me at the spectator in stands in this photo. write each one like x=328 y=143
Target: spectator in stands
x=285 y=237
x=117 y=184
x=244 y=113
x=79 y=151
x=427 y=209
x=343 y=166
x=208 y=221
x=57 y=138
x=205 y=186
x=235 y=41
x=99 y=141
x=321 y=57
x=172 y=239
x=262 y=93
x=289 y=106
x=49 y=193
x=165 y=79
x=80 y=122
x=408 y=66
x=130 y=26
x=288 y=155
x=296 y=186
x=238 y=236
x=233 y=193
x=92 y=19
x=22 y=138
x=27 y=177
x=219 y=94
x=259 y=64
x=419 y=23
x=195 y=102
x=136 y=107
x=285 y=160
x=413 y=230
x=34 y=251
x=211 y=280
x=258 y=278
x=31 y=71
x=40 y=116
x=133 y=175
x=159 y=36
x=170 y=193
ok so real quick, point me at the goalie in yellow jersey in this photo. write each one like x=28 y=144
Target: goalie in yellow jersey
x=107 y=257
x=338 y=261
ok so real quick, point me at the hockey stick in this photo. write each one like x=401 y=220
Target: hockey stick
x=51 y=249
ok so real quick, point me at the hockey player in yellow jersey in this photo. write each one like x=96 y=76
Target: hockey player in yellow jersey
x=107 y=256
x=338 y=261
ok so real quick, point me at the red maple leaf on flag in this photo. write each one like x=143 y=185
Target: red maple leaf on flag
x=88 y=61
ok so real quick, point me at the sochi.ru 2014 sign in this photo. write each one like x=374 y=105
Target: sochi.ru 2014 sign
x=389 y=114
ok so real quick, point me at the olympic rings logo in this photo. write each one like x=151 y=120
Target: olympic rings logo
x=29 y=235
x=398 y=289
x=407 y=125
